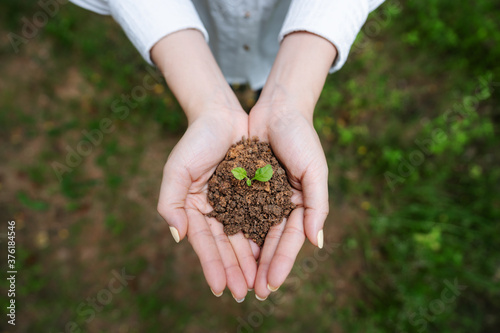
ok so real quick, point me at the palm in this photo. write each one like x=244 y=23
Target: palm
x=183 y=201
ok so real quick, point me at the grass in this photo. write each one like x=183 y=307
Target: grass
x=410 y=130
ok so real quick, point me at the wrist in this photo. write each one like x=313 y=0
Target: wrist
x=278 y=99
x=192 y=74
x=299 y=72
x=219 y=102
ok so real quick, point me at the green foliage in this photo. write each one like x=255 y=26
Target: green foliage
x=436 y=134
x=30 y=203
x=468 y=29
x=239 y=173
x=263 y=174
x=114 y=225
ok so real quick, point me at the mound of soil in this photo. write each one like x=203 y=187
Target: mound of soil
x=250 y=209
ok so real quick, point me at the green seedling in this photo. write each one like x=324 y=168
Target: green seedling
x=262 y=174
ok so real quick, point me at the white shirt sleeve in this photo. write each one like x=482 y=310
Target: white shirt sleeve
x=146 y=22
x=338 y=21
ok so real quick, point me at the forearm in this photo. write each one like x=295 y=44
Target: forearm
x=192 y=73
x=299 y=71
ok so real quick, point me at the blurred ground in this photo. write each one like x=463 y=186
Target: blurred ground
x=410 y=130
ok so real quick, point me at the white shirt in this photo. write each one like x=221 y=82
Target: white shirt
x=244 y=35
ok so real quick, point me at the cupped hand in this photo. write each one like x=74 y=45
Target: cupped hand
x=295 y=143
x=183 y=200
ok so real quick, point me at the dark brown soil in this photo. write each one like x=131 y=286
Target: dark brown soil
x=251 y=209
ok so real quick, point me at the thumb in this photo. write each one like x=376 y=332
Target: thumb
x=171 y=203
x=315 y=192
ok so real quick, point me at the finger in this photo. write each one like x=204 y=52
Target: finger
x=315 y=197
x=289 y=246
x=234 y=275
x=266 y=255
x=173 y=192
x=245 y=257
x=202 y=240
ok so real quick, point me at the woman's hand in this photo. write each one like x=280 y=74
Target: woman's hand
x=297 y=146
x=183 y=201
x=283 y=117
x=216 y=121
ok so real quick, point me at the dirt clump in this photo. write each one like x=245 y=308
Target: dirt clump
x=250 y=209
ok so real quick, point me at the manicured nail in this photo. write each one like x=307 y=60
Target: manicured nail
x=260 y=299
x=250 y=289
x=238 y=300
x=271 y=288
x=217 y=295
x=320 y=239
x=175 y=234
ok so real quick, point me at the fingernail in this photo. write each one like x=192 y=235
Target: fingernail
x=238 y=300
x=271 y=288
x=217 y=295
x=250 y=289
x=175 y=234
x=320 y=239
x=260 y=299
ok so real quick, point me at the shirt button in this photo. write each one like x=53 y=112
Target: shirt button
x=246 y=47
x=247 y=14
